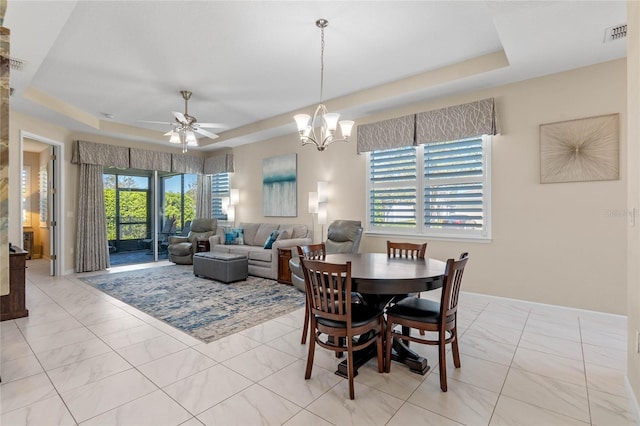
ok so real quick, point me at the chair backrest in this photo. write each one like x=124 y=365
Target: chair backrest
x=328 y=287
x=451 y=287
x=408 y=250
x=343 y=236
x=313 y=251
x=186 y=228
x=202 y=228
x=169 y=225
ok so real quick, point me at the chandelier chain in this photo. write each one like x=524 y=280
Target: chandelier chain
x=321 y=63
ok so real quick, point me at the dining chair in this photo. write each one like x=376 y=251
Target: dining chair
x=431 y=316
x=338 y=324
x=313 y=252
x=408 y=251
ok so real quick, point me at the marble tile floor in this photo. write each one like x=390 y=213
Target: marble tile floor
x=84 y=358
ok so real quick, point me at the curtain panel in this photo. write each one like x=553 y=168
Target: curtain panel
x=457 y=122
x=144 y=159
x=92 y=252
x=387 y=134
x=218 y=164
x=100 y=154
x=203 y=197
x=181 y=163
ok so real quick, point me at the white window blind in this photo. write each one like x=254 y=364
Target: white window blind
x=445 y=184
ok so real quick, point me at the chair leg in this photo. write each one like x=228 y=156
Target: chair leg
x=312 y=350
x=454 y=347
x=305 y=330
x=442 y=360
x=421 y=331
x=388 y=345
x=380 y=347
x=350 y=372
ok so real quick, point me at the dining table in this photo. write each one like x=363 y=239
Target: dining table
x=381 y=280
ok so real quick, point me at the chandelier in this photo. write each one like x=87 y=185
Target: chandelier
x=323 y=136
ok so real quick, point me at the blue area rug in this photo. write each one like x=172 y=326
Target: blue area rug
x=203 y=308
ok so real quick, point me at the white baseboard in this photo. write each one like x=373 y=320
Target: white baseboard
x=635 y=408
x=528 y=302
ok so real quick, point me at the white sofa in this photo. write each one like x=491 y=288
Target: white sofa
x=262 y=262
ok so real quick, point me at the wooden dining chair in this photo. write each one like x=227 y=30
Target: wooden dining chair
x=313 y=252
x=431 y=316
x=407 y=251
x=335 y=320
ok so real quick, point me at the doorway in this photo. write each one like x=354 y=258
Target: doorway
x=42 y=175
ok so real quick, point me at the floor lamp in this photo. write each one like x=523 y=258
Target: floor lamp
x=318 y=205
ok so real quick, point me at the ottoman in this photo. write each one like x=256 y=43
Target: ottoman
x=224 y=267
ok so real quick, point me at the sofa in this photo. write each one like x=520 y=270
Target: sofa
x=343 y=236
x=263 y=262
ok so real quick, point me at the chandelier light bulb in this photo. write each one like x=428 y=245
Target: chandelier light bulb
x=175 y=137
x=191 y=139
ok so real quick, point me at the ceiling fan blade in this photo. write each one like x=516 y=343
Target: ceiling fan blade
x=169 y=133
x=156 y=122
x=212 y=125
x=180 y=116
x=206 y=133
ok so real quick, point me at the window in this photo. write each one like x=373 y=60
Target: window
x=219 y=191
x=436 y=189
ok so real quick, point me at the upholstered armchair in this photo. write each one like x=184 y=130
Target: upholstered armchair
x=343 y=236
x=181 y=249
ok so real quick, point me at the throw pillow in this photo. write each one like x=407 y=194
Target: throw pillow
x=285 y=234
x=239 y=235
x=272 y=238
x=230 y=238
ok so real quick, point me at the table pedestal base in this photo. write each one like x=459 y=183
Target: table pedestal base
x=399 y=352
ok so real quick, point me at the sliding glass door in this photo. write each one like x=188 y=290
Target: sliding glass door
x=178 y=200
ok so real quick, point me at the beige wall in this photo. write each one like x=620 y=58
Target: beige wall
x=553 y=243
x=560 y=244
x=633 y=252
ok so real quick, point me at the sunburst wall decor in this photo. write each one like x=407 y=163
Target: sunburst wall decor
x=585 y=149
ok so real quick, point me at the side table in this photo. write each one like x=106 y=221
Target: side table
x=203 y=245
x=284 y=273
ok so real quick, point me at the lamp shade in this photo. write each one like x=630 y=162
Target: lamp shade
x=323 y=191
x=313 y=202
x=191 y=139
x=322 y=213
x=175 y=137
x=231 y=213
x=234 y=196
x=346 y=126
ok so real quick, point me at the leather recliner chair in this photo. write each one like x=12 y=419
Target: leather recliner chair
x=181 y=249
x=343 y=236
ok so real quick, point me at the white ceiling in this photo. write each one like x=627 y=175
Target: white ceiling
x=253 y=64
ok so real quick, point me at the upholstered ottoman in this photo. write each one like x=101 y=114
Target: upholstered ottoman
x=224 y=267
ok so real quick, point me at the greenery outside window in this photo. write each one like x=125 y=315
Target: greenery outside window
x=435 y=190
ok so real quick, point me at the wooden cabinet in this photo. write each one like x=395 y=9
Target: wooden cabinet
x=27 y=243
x=12 y=305
x=202 y=245
x=284 y=273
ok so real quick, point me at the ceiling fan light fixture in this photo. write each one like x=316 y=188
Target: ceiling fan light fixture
x=175 y=137
x=328 y=122
x=191 y=138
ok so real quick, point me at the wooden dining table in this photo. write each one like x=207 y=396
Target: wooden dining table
x=381 y=280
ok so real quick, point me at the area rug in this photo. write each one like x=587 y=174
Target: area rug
x=203 y=308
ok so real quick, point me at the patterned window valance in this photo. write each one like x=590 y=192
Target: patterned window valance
x=457 y=122
x=145 y=159
x=218 y=164
x=387 y=134
x=181 y=163
x=101 y=154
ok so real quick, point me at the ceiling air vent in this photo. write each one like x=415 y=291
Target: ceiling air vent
x=615 y=33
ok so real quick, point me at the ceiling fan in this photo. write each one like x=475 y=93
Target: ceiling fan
x=186 y=126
